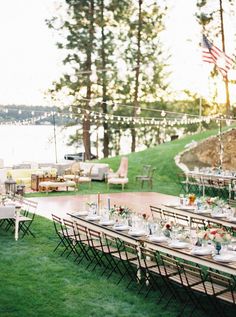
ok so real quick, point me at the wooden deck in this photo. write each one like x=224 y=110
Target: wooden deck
x=139 y=202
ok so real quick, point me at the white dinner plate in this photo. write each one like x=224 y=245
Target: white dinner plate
x=157 y=238
x=93 y=217
x=224 y=258
x=206 y=211
x=201 y=250
x=232 y=219
x=80 y=213
x=137 y=233
x=218 y=215
x=186 y=207
x=121 y=227
x=179 y=245
x=106 y=222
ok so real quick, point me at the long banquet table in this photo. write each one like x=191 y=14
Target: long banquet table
x=210 y=178
x=191 y=213
x=4 y=214
x=184 y=254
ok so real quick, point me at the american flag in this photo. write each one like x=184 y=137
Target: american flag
x=212 y=54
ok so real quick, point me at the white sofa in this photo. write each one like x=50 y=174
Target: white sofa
x=98 y=171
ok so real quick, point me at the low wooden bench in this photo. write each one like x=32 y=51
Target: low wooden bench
x=54 y=186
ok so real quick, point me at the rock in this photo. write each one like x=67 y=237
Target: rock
x=207 y=153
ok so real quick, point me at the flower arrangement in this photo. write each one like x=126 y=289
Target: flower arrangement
x=167 y=228
x=191 y=199
x=213 y=202
x=215 y=234
x=121 y=211
x=219 y=235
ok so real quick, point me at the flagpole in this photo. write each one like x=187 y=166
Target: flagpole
x=200 y=113
x=227 y=103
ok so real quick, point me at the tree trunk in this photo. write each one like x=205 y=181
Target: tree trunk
x=86 y=121
x=137 y=73
x=104 y=86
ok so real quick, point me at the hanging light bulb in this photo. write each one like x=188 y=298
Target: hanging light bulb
x=73 y=78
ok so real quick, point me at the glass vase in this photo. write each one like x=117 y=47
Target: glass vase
x=218 y=247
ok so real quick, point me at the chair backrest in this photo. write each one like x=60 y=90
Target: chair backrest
x=123 y=168
x=148 y=257
x=75 y=167
x=146 y=170
x=226 y=284
x=182 y=219
x=58 y=224
x=90 y=171
x=156 y=212
x=232 y=202
x=151 y=172
x=169 y=215
x=197 y=223
x=193 y=275
x=69 y=227
x=170 y=265
x=7 y=212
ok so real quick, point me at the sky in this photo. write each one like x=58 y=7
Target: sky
x=30 y=61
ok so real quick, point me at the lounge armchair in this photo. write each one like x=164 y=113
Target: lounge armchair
x=86 y=178
x=72 y=173
x=122 y=170
x=120 y=177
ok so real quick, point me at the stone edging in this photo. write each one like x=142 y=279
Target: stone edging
x=177 y=158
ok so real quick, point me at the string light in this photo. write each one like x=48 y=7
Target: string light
x=183 y=119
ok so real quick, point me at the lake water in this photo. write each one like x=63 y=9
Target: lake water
x=33 y=143
x=36 y=143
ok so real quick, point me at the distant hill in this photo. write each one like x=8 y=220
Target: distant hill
x=20 y=112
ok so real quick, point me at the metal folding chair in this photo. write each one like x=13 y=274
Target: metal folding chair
x=222 y=292
x=61 y=234
x=156 y=213
x=129 y=257
x=27 y=216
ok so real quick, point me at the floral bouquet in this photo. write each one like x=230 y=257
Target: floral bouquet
x=121 y=211
x=191 y=199
x=167 y=228
x=213 y=202
x=215 y=234
x=219 y=235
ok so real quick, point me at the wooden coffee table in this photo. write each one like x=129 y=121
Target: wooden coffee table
x=54 y=185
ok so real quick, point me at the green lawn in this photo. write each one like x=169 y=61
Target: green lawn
x=35 y=281
x=161 y=157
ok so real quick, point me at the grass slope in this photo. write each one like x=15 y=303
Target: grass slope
x=161 y=157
